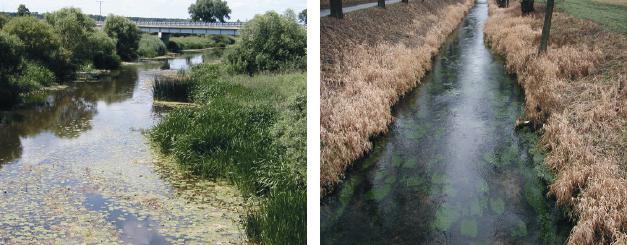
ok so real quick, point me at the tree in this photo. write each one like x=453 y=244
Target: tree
x=270 y=42
x=126 y=35
x=22 y=10
x=302 y=16
x=41 y=43
x=3 y=20
x=336 y=9
x=75 y=28
x=381 y=3
x=209 y=10
x=526 y=6
x=103 y=51
x=546 y=29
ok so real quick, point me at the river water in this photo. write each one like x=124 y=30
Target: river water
x=78 y=168
x=452 y=169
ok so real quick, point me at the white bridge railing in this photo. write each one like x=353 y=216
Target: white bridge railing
x=184 y=24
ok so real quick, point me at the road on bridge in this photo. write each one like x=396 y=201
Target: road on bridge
x=327 y=12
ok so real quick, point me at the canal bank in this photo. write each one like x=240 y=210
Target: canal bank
x=452 y=169
x=78 y=168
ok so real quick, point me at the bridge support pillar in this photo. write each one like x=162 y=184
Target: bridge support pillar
x=165 y=37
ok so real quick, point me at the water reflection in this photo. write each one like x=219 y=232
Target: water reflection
x=451 y=170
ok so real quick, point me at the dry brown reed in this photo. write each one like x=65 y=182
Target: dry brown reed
x=577 y=93
x=369 y=60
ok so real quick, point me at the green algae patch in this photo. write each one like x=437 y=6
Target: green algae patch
x=379 y=192
x=397 y=160
x=469 y=228
x=497 y=205
x=438 y=178
x=445 y=216
x=519 y=230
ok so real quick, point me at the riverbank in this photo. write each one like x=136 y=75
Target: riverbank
x=576 y=94
x=371 y=59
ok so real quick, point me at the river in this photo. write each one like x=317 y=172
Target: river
x=452 y=169
x=77 y=167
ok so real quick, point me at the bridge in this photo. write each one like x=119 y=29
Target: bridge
x=187 y=27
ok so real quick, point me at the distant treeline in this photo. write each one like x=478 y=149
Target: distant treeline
x=101 y=17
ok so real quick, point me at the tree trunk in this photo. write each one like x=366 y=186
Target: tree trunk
x=336 y=9
x=405 y=1
x=382 y=3
x=526 y=6
x=546 y=29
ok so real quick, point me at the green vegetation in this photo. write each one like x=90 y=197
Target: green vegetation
x=270 y=42
x=151 y=46
x=37 y=53
x=199 y=42
x=610 y=16
x=22 y=10
x=209 y=10
x=251 y=131
x=125 y=33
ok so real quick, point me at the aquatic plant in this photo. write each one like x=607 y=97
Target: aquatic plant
x=364 y=73
x=172 y=89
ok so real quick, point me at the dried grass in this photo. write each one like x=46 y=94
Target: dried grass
x=369 y=60
x=577 y=93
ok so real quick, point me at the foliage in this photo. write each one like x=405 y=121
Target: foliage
x=209 y=10
x=174 y=46
x=33 y=77
x=201 y=42
x=126 y=35
x=270 y=42
x=22 y=10
x=11 y=52
x=302 y=16
x=3 y=20
x=151 y=46
x=75 y=29
x=41 y=43
x=242 y=130
x=103 y=51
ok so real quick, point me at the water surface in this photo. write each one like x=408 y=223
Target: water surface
x=78 y=168
x=452 y=169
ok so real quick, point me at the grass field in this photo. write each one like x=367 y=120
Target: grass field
x=611 y=14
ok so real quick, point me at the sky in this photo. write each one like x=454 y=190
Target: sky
x=240 y=9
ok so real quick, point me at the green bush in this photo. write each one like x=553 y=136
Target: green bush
x=41 y=43
x=75 y=30
x=174 y=46
x=3 y=20
x=125 y=33
x=151 y=46
x=103 y=51
x=32 y=77
x=270 y=42
x=11 y=52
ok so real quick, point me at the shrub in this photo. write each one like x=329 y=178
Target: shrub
x=3 y=20
x=41 y=43
x=125 y=33
x=33 y=77
x=75 y=30
x=151 y=46
x=270 y=42
x=11 y=51
x=174 y=46
x=103 y=51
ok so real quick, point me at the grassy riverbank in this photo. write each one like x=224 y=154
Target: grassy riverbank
x=577 y=94
x=252 y=132
x=370 y=59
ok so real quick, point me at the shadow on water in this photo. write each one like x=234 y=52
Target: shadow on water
x=452 y=169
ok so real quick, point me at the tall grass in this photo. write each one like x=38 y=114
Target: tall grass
x=172 y=89
x=251 y=133
x=369 y=60
x=576 y=93
x=151 y=46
